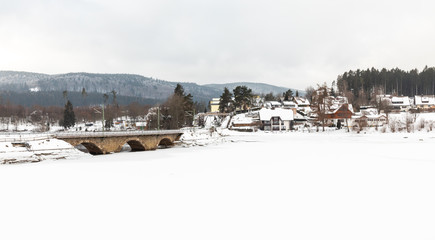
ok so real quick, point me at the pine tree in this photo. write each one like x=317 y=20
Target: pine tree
x=179 y=90
x=178 y=111
x=269 y=97
x=84 y=95
x=226 y=101
x=242 y=97
x=288 y=95
x=69 y=119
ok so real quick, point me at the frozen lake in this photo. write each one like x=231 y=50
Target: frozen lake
x=247 y=186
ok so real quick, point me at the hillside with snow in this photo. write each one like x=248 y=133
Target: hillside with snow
x=126 y=85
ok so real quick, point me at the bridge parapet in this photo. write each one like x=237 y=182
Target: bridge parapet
x=115 y=134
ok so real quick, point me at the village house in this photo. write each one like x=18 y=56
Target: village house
x=301 y=101
x=368 y=117
x=303 y=105
x=272 y=104
x=401 y=104
x=425 y=102
x=257 y=101
x=276 y=119
x=369 y=121
x=246 y=122
x=214 y=104
x=342 y=113
x=397 y=103
x=289 y=105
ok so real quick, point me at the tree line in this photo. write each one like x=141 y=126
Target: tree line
x=365 y=84
x=51 y=98
x=176 y=112
x=242 y=98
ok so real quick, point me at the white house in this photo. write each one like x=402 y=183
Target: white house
x=303 y=104
x=289 y=104
x=272 y=104
x=401 y=104
x=275 y=119
x=377 y=120
x=214 y=104
x=425 y=102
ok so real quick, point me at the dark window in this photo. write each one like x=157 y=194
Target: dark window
x=275 y=120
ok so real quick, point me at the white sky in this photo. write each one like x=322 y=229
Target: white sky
x=290 y=43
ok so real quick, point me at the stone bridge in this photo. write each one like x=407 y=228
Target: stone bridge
x=108 y=142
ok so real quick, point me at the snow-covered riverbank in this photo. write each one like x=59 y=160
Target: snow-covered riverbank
x=331 y=185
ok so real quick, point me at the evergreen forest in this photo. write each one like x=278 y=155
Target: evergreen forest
x=367 y=83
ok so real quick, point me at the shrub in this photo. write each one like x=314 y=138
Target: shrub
x=421 y=124
x=393 y=125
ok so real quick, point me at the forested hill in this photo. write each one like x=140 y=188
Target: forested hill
x=56 y=98
x=125 y=85
x=394 y=81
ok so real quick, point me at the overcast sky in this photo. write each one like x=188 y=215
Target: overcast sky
x=290 y=43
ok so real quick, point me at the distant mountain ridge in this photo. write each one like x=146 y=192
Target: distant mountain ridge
x=258 y=88
x=129 y=85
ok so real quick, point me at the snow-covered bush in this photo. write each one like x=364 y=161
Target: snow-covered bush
x=392 y=125
x=421 y=124
x=409 y=120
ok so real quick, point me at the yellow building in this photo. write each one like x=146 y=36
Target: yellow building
x=214 y=105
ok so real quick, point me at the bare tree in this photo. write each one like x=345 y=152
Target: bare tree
x=106 y=97
x=409 y=121
x=321 y=105
x=309 y=91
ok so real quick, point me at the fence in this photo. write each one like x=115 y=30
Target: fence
x=23 y=137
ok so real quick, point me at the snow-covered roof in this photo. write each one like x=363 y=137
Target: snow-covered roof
x=274 y=103
x=369 y=111
x=382 y=97
x=349 y=107
x=400 y=101
x=242 y=119
x=284 y=114
x=376 y=116
x=301 y=101
x=215 y=101
x=289 y=104
x=425 y=100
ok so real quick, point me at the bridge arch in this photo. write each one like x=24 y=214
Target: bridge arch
x=165 y=142
x=92 y=148
x=136 y=145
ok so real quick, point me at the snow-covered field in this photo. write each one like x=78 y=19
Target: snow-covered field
x=333 y=185
x=34 y=148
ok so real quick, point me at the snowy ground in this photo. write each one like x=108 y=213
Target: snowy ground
x=331 y=185
x=23 y=148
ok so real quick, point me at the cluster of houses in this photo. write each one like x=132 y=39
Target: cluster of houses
x=332 y=111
